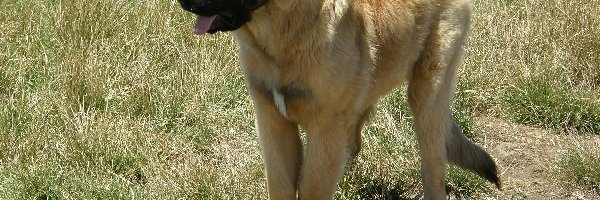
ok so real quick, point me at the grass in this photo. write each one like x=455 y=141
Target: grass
x=581 y=167
x=542 y=63
x=118 y=100
x=537 y=63
x=536 y=102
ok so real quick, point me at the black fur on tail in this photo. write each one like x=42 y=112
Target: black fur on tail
x=465 y=154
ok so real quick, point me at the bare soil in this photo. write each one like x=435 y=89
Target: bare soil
x=527 y=159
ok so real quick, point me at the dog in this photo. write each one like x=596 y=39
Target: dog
x=323 y=64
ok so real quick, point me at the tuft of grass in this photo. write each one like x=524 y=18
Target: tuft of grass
x=464 y=184
x=580 y=168
x=381 y=189
x=42 y=184
x=544 y=102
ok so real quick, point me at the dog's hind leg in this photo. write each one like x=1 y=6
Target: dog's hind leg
x=430 y=92
x=430 y=106
x=281 y=149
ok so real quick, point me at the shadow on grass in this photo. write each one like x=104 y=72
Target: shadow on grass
x=381 y=189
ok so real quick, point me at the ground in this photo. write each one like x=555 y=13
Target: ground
x=527 y=158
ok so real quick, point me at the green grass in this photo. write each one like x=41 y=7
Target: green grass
x=547 y=103
x=580 y=167
x=464 y=184
x=118 y=100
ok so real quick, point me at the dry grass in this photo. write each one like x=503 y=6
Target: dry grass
x=117 y=100
x=516 y=45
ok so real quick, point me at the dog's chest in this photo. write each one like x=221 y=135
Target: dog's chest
x=292 y=100
x=300 y=74
x=279 y=100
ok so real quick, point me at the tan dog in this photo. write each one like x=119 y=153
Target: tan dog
x=323 y=65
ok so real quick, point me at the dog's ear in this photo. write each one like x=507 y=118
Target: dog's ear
x=253 y=4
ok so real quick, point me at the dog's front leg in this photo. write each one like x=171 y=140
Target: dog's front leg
x=327 y=153
x=281 y=149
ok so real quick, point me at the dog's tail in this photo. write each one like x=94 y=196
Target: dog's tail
x=465 y=154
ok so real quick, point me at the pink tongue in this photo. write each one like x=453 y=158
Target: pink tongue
x=203 y=24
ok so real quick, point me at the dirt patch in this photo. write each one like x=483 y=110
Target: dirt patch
x=527 y=157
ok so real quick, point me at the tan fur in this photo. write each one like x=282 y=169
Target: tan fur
x=332 y=60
